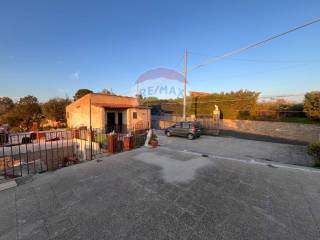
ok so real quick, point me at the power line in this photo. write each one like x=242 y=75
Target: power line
x=266 y=70
x=262 y=60
x=179 y=62
x=273 y=61
x=250 y=98
x=238 y=51
x=239 y=99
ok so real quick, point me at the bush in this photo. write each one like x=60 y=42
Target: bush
x=314 y=151
x=233 y=105
x=312 y=105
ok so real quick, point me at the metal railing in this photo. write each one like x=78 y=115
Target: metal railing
x=118 y=128
x=29 y=153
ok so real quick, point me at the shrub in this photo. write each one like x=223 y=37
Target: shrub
x=312 y=105
x=233 y=105
x=314 y=151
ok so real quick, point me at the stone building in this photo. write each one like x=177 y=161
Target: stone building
x=109 y=112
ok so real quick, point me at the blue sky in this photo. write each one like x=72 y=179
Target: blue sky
x=52 y=48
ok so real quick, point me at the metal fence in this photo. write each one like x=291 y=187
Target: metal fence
x=29 y=153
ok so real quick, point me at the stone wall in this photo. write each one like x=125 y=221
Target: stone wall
x=305 y=133
x=293 y=131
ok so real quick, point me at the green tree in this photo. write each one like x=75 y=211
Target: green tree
x=311 y=105
x=29 y=108
x=6 y=104
x=26 y=111
x=107 y=92
x=233 y=105
x=55 y=109
x=80 y=93
x=12 y=118
x=148 y=100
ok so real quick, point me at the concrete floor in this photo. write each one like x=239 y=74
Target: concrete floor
x=166 y=193
x=240 y=148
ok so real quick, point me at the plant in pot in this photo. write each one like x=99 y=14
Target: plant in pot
x=154 y=140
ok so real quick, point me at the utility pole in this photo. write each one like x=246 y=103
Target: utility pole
x=185 y=84
x=90 y=128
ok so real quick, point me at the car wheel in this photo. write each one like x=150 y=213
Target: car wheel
x=190 y=136
x=168 y=134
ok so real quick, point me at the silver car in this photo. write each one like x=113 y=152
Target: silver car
x=190 y=129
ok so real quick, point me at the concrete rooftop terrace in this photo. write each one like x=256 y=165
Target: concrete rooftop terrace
x=166 y=193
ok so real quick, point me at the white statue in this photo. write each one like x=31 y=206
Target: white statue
x=149 y=135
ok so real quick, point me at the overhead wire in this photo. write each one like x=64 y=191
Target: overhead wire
x=243 y=99
x=262 y=60
x=179 y=62
x=253 y=45
x=267 y=70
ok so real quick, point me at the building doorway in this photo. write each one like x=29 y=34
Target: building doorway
x=120 y=123
x=111 y=121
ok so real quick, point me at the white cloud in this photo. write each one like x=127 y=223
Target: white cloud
x=75 y=75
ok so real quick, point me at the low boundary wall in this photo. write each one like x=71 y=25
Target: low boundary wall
x=292 y=131
x=303 y=133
